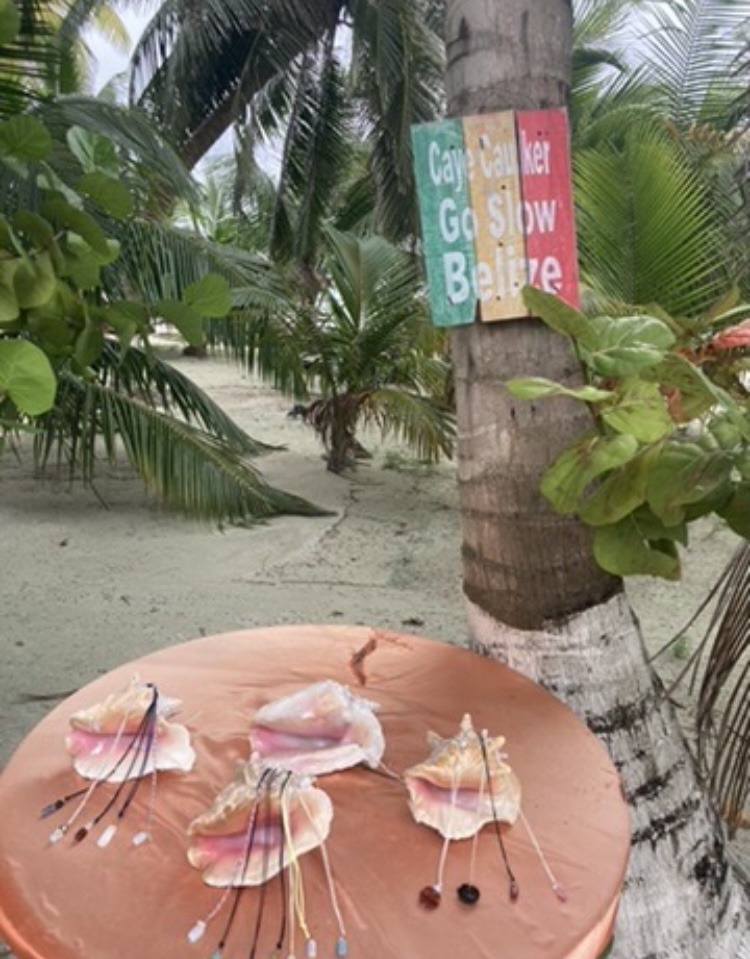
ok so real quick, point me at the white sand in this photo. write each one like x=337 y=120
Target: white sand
x=84 y=588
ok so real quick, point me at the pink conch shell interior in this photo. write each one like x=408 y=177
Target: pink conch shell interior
x=317 y=730
x=101 y=735
x=291 y=817
x=450 y=790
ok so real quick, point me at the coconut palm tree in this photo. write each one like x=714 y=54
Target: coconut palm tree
x=534 y=595
x=360 y=352
x=318 y=75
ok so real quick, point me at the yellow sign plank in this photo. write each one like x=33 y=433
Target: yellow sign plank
x=500 y=270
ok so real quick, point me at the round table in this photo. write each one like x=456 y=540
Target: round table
x=67 y=901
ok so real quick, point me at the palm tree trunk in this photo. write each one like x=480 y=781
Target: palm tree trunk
x=534 y=595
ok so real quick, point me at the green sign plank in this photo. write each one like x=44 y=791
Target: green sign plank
x=446 y=217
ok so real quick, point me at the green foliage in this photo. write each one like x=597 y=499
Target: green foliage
x=84 y=275
x=672 y=429
x=362 y=350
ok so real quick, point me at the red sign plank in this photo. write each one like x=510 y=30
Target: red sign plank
x=547 y=205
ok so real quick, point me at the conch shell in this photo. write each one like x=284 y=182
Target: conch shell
x=451 y=791
x=256 y=825
x=319 y=729
x=111 y=740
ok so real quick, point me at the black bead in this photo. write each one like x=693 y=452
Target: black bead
x=468 y=894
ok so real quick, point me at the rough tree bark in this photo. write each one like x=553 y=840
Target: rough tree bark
x=534 y=596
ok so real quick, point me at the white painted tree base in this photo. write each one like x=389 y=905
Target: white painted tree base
x=682 y=900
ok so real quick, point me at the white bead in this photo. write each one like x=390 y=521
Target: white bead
x=141 y=837
x=106 y=837
x=197 y=931
x=57 y=834
x=311 y=949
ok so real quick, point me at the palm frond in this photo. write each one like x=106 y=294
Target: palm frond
x=647 y=231
x=397 y=72
x=143 y=374
x=186 y=468
x=236 y=46
x=428 y=428
x=691 y=51
x=159 y=261
x=722 y=659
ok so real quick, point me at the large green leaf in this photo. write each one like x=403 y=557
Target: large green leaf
x=10 y=22
x=9 y=308
x=620 y=493
x=25 y=138
x=532 y=387
x=555 y=313
x=35 y=281
x=57 y=208
x=736 y=513
x=684 y=473
x=184 y=317
x=567 y=478
x=107 y=193
x=696 y=393
x=621 y=550
x=639 y=409
x=210 y=296
x=26 y=376
x=624 y=346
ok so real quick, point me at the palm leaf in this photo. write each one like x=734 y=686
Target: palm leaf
x=186 y=468
x=723 y=708
x=428 y=428
x=691 y=51
x=647 y=232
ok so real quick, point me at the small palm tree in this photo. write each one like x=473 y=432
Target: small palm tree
x=362 y=351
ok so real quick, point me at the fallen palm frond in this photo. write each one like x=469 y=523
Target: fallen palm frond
x=721 y=665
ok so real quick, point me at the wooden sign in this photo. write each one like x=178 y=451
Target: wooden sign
x=496 y=212
x=440 y=162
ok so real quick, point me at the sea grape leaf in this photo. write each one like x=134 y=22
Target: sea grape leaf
x=565 y=481
x=684 y=473
x=532 y=387
x=210 y=296
x=736 y=513
x=108 y=193
x=639 y=409
x=620 y=493
x=25 y=138
x=620 y=549
x=555 y=313
x=10 y=22
x=35 y=281
x=696 y=392
x=184 y=317
x=624 y=346
x=57 y=208
x=88 y=346
x=26 y=376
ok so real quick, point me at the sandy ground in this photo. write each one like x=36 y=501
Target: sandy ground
x=84 y=588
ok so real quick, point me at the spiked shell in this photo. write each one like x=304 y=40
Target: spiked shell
x=256 y=824
x=101 y=734
x=450 y=791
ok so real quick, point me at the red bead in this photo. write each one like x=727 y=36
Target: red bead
x=429 y=897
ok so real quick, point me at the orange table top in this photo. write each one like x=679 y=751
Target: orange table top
x=82 y=902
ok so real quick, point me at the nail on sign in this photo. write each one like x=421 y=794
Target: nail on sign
x=496 y=212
